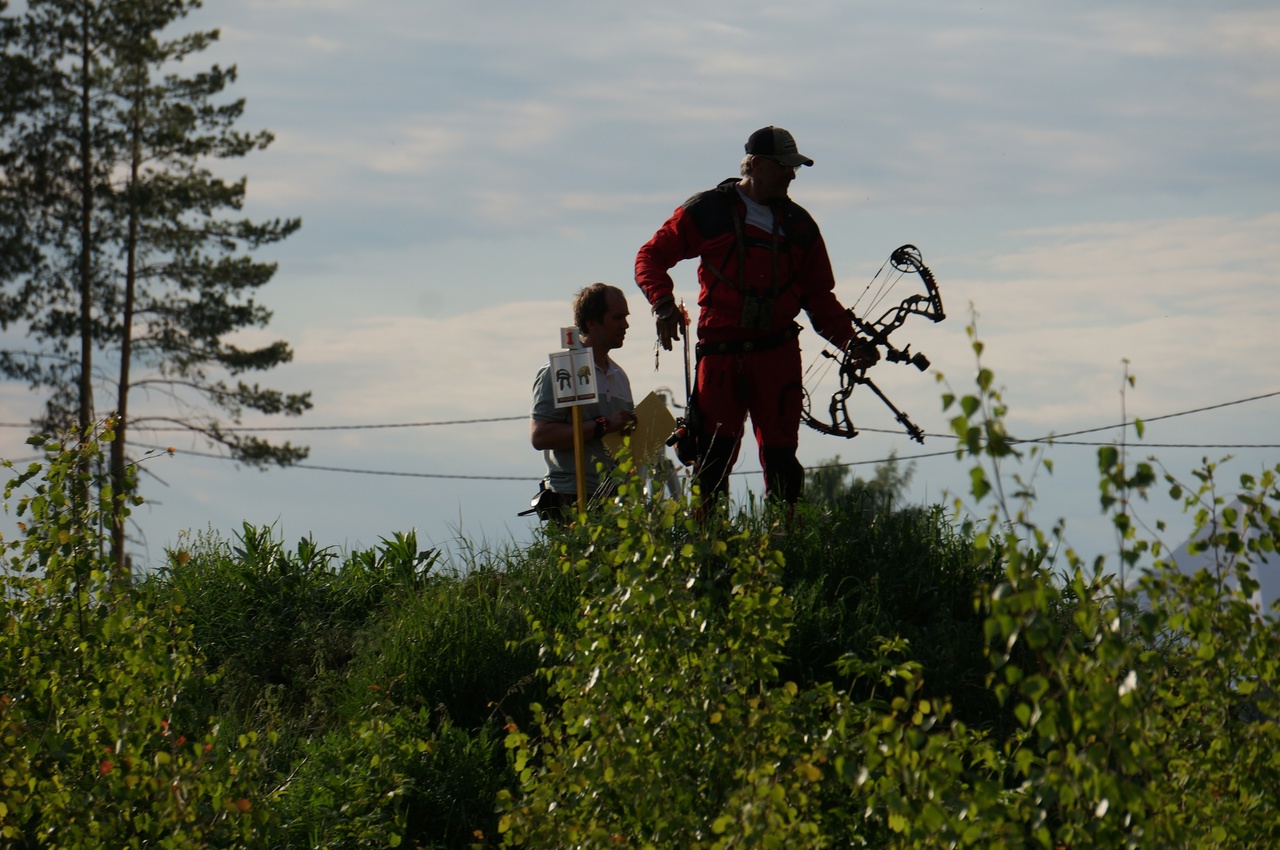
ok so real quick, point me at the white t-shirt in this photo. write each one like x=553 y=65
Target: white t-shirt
x=758 y=215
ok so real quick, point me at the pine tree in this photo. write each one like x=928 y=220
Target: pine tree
x=55 y=154
x=16 y=97
x=108 y=166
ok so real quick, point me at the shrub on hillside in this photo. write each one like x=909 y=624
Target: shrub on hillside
x=96 y=752
x=395 y=778
x=1128 y=726
x=858 y=569
x=280 y=626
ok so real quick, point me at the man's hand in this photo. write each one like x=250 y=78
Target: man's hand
x=668 y=330
x=621 y=421
x=861 y=354
x=669 y=321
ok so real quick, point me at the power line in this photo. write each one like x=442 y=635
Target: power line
x=1160 y=418
x=1160 y=445
x=951 y=452
x=1049 y=439
x=418 y=474
x=363 y=427
x=314 y=427
x=193 y=453
x=1057 y=438
x=522 y=417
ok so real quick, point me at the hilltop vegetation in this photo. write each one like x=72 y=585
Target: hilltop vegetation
x=874 y=677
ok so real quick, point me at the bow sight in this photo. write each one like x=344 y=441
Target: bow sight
x=918 y=360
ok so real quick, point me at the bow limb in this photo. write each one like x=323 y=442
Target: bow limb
x=905 y=259
x=839 y=423
x=908 y=258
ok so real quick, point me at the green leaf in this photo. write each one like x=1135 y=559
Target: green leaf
x=978 y=484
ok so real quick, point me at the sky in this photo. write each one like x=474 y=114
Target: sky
x=1096 y=187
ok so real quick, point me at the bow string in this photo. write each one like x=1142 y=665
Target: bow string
x=856 y=359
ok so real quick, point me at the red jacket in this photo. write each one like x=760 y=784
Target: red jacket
x=707 y=226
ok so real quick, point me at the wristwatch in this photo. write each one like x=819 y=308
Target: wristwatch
x=602 y=427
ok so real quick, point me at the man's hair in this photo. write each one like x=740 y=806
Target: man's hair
x=591 y=303
x=745 y=168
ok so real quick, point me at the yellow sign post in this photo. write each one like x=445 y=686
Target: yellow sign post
x=579 y=459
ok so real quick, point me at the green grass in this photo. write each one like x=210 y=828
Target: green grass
x=857 y=570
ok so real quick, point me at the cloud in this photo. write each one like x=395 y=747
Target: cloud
x=1144 y=31
x=1185 y=301
x=1188 y=302
x=539 y=120
x=323 y=44
x=399 y=368
x=417 y=150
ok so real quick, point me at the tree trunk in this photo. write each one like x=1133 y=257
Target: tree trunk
x=119 y=457
x=84 y=490
x=86 y=226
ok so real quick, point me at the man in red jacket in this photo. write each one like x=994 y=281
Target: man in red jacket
x=762 y=260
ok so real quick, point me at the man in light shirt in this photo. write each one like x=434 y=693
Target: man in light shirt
x=600 y=313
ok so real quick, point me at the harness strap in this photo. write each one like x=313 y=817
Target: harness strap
x=748 y=346
x=739 y=246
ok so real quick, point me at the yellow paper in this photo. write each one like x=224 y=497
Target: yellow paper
x=654 y=424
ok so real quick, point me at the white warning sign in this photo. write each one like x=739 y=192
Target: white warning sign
x=573 y=377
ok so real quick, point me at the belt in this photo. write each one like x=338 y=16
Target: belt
x=748 y=346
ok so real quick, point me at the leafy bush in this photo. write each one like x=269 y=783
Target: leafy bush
x=1127 y=725
x=858 y=570
x=872 y=678
x=666 y=732
x=279 y=627
x=446 y=649
x=393 y=778
x=1126 y=713
x=671 y=726
x=95 y=753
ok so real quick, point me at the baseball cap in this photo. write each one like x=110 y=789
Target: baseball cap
x=777 y=143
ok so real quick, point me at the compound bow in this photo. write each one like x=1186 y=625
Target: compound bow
x=853 y=367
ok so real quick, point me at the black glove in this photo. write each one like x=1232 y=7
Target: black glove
x=861 y=353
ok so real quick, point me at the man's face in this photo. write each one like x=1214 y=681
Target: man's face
x=610 y=331
x=772 y=178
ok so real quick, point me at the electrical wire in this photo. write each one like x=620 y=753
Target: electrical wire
x=365 y=427
x=1051 y=439
x=230 y=429
x=193 y=453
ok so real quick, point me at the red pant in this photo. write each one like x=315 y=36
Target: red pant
x=766 y=385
